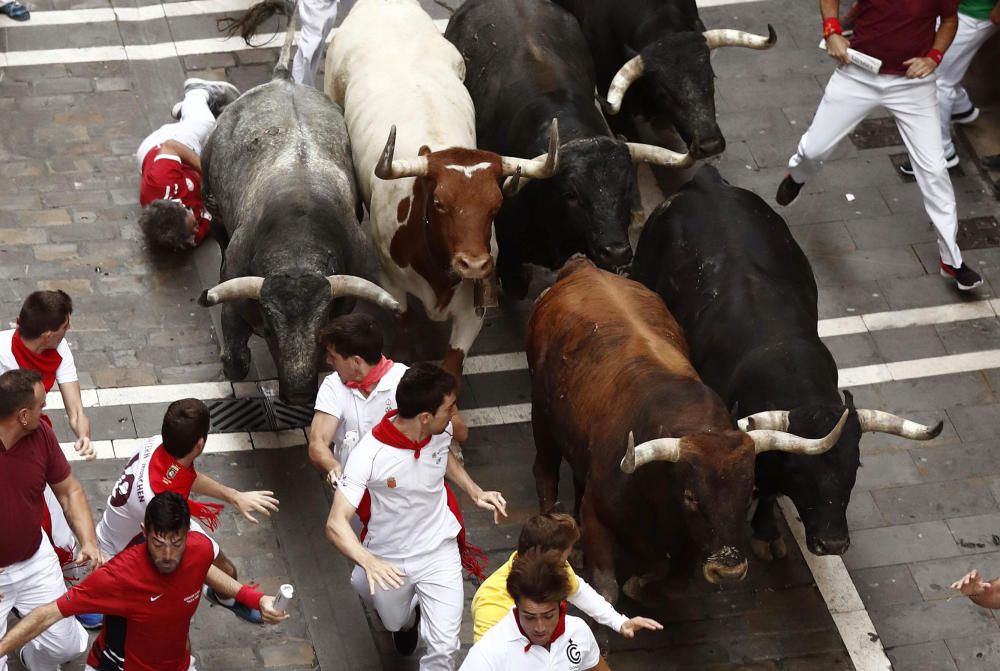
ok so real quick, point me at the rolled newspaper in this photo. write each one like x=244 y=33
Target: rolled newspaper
x=863 y=61
x=281 y=599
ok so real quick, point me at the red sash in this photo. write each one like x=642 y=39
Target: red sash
x=46 y=363
x=559 y=631
x=473 y=558
x=166 y=475
x=377 y=372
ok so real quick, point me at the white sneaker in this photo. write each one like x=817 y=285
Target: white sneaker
x=967 y=116
x=220 y=93
x=949 y=162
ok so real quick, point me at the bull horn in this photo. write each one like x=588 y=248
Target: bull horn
x=650 y=153
x=387 y=168
x=658 y=449
x=774 y=420
x=230 y=290
x=628 y=73
x=539 y=167
x=726 y=37
x=513 y=183
x=766 y=440
x=886 y=422
x=349 y=285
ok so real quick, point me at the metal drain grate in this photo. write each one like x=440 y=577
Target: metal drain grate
x=256 y=414
x=875 y=133
x=978 y=233
x=899 y=159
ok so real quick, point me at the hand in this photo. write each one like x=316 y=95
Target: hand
x=919 y=67
x=268 y=613
x=636 y=623
x=995 y=15
x=492 y=501
x=259 y=502
x=383 y=574
x=85 y=448
x=90 y=553
x=971 y=584
x=334 y=474
x=836 y=46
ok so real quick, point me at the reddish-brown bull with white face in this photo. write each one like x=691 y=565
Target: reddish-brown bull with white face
x=609 y=369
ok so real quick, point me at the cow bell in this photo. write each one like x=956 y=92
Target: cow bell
x=484 y=294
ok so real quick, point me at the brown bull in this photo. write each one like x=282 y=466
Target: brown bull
x=608 y=362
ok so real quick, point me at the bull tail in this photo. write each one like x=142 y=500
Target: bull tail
x=282 y=68
x=246 y=27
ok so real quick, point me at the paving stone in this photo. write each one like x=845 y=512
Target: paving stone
x=934 y=578
x=50 y=217
x=72 y=287
x=886 y=585
x=27 y=236
x=956 y=462
x=919 y=292
x=879 y=471
x=287 y=653
x=857 y=349
x=975 y=653
x=972 y=335
x=111 y=423
x=975 y=423
x=862 y=513
x=865 y=266
x=934 y=501
x=124 y=377
x=936 y=393
x=854 y=299
x=899 y=544
x=932 y=656
x=64 y=84
x=890 y=231
x=904 y=624
x=823 y=238
x=915 y=342
x=836 y=206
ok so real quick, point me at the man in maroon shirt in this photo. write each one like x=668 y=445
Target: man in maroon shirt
x=902 y=34
x=30 y=576
x=154 y=588
x=174 y=216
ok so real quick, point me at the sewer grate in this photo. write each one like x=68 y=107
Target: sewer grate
x=237 y=415
x=875 y=133
x=899 y=159
x=284 y=416
x=978 y=233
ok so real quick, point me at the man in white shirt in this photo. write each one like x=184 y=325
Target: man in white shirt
x=537 y=634
x=410 y=556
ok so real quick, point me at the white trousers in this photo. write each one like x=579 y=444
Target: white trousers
x=952 y=97
x=191 y=131
x=317 y=18
x=28 y=585
x=851 y=94
x=64 y=539
x=434 y=582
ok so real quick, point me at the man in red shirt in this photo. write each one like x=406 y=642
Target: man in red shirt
x=30 y=458
x=174 y=216
x=901 y=34
x=155 y=588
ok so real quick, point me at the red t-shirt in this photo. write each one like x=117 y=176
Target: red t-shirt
x=898 y=30
x=168 y=178
x=157 y=607
x=25 y=469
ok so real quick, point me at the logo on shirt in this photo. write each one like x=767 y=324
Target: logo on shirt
x=171 y=473
x=193 y=596
x=119 y=496
x=154 y=598
x=573 y=653
x=391 y=482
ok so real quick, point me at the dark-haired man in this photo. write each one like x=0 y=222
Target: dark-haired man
x=410 y=556
x=30 y=576
x=165 y=463
x=174 y=215
x=154 y=589
x=536 y=633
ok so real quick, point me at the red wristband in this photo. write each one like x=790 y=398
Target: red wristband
x=831 y=26
x=249 y=597
x=935 y=56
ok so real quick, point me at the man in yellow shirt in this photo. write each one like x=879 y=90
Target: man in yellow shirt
x=549 y=531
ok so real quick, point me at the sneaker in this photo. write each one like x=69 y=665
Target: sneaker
x=968 y=116
x=175 y=111
x=965 y=277
x=220 y=94
x=91 y=621
x=949 y=162
x=15 y=612
x=20 y=657
x=405 y=640
x=788 y=190
x=249 y=614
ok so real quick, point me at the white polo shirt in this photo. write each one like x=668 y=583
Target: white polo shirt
x=67 y=368
x=410 y=515
x=356 y=413
x=502 y=649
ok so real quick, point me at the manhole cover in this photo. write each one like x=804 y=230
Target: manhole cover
x=239 y=415
x=875 y=133
x=899 y=159
x=286 y=416
x=978 y=233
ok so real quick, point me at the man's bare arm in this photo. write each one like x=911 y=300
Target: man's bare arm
x=73 y=500
x=182 y=151
x=28 y=628
x=78 y=421
x=340 y=533
x=321 y=434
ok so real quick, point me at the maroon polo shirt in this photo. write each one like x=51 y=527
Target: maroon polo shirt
x=898 y=30
x=25 y=469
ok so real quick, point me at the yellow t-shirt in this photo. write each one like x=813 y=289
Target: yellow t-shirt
x=492 y=602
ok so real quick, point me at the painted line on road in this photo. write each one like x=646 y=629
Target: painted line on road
x=67 y=17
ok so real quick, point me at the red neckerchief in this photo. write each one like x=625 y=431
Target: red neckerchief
x=473 y=558
x=167 y=475
x=559 y=631
x=376 y=373
x=46 y=363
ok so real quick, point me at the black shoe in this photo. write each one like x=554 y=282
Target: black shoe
x=965 y=277
x=949 y=162
x=968 y=116
x=788 y=190
x=405 y=640
x=992 y=162
x=220 y=94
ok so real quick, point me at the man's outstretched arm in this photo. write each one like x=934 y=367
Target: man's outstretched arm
x=28 y=628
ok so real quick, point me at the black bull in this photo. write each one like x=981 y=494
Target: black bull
x=733 y=276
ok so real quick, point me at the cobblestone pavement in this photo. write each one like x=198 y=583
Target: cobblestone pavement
x=920 y=516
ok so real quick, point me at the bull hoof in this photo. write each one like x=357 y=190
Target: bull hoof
x=769 y=550
x=633 y=588
x=646 y=588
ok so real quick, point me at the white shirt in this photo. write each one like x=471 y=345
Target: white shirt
x=65 y=373
x=357 y=415
x=502 y=649
x=410 y=515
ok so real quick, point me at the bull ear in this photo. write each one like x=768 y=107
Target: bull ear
x=849 y=399
x=424 y=150
x=630 y=53
x=735 y=412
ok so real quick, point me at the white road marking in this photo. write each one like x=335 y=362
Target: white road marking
x=130 y=14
